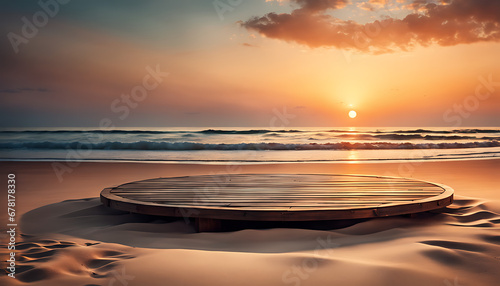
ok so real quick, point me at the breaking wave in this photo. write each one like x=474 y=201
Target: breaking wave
x=191 y=146
x=255 y=131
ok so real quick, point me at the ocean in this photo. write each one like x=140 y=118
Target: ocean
x=248 y=145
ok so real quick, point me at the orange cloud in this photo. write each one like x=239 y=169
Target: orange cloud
x=320 y=5
x=372 y=5
x=447 y=23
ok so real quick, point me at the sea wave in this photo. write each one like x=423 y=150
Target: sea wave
x=191 y=146
x=412 y=137
x=256 y=131
x=466 y=131
x=120 y=131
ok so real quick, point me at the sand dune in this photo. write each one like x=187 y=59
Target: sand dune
x=65 y=261
x=457 y=246
x=81 y=242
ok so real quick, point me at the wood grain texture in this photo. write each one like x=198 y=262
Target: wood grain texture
x=278 y=197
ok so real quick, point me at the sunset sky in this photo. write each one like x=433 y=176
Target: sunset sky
x=246 y=63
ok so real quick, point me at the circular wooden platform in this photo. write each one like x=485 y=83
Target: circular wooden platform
x=277 y=197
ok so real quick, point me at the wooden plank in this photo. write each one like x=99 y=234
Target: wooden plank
x=280 y=197
x=207 y=225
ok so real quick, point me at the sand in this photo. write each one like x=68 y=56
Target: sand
x=69 y=238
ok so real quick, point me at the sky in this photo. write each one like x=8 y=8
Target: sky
x=225 y=63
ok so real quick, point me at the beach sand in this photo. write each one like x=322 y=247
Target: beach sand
x=66 y=237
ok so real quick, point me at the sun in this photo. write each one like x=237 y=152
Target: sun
x=352 y=114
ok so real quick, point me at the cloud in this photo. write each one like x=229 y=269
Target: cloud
x=23 y=89
x=248 y=45
x=320 y=5
x=279 y=1
x=372 y=5
x=444 y=22
x=417 y=5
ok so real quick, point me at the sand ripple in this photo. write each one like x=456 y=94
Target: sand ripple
x=82 y=241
